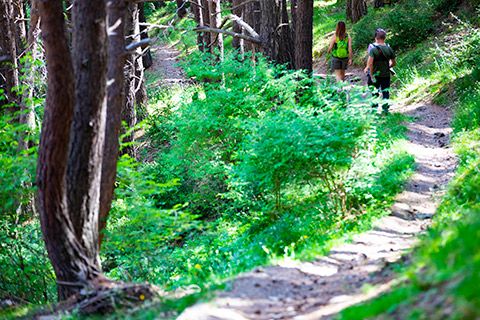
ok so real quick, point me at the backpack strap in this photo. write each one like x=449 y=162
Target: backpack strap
x=380 y=51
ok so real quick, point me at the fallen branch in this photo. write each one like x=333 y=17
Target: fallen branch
x=244 y=25
x=230 y=33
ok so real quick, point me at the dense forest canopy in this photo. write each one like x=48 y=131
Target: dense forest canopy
x=152 y=151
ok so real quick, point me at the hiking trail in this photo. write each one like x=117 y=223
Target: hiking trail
x=165 y=60
x=322 y=288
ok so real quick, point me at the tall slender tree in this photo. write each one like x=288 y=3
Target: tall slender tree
x=304 y=35
x=9 y=78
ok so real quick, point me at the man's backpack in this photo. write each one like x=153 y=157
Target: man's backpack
x=341 y=48
x=382 y=57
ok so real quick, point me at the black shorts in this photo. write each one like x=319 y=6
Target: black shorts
x=339 y=63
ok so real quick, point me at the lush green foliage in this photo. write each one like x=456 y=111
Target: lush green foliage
x=442 y=67
x=26 y=274
x=262 y=162
x=408 y=23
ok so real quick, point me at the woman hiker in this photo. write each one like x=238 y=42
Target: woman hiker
x=341 y=49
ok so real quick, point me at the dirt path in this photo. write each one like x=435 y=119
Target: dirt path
x=320 y=289
x=165 y=60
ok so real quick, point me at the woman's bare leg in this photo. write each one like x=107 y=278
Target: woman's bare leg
x=338 y=75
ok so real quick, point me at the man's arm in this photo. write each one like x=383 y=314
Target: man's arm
x=393 y=62
x=369 y=66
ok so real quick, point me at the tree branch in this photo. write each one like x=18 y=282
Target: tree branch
x=230 y=33
x=135 y=45
x=244 y=25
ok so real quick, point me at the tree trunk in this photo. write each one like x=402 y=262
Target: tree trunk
x=20 y=24
x=304 y=36
x=132 y=82
x=27 y=115
x=215 y=21
x=356 y=9
x=275 y=31
x=9 y=78
x=378 y=3
x=181 y=8
x=88 y=129
x=207 y=36
x=238 y=11
x=70 y=259
x=197 y=9
x=293 y=13
x=252 y=16
x=115 y=102
x=147 y=55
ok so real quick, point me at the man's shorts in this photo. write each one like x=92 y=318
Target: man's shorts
x=339 y=64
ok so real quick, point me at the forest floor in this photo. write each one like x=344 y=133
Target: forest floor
x=355 y=271
x=351 y=272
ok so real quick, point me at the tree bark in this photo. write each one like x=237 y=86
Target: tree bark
x=304 y=36
x=197 y=9
x=207 y=36
x=293 y=13
x=378 y=3
x=238 y=11
x=88 y=129
x=147 y=55
x=275 y=32
x=215 y=21
x=133 y=77
x=69 y=257
x=115 y=101
x=9 y=77
x=20 y=24
x=252 y=16
x=356 y=9
x=27 y=115
x=181 y=8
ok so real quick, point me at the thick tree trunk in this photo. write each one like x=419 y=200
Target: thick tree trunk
x=88 y=129
x=275 y=32
x=115 y=101
x=181 y=8
x=356 y=9
x=304 y=36
x=9 y=77
x=70 y=259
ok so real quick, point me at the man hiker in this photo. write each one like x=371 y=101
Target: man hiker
x=381 y=58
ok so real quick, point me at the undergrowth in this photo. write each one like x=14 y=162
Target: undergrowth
x=259 y=163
